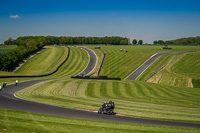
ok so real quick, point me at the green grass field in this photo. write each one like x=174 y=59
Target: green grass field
x=77 y=61
x=181 y=71
x=188 y=65
x=45 y=63
x=132 y=98
x=121 y=64
x=154 y=67
x=24 y=122
x=50 y=59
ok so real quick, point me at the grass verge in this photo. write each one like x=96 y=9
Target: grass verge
x=121 y=64
x=132 y=98
x=24 y=122
x=180 y=71
x=77 y=61
x=45 y=62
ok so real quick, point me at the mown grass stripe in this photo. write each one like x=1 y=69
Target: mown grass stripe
x=90 y=90
x=81 y=89
x=123 y=90
x=132 y=98
x=138 y=92
x=144 y=91
x=110 y=90
x=75 y=63
x=97 y=87
x=103 y=89
x=141 y=105
x=174 y=93
x=70 y=89
x=38 y=64
x=128 y=90
x=116 y=89
x=150 y=91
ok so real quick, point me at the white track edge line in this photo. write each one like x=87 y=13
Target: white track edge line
x=147 y=67
x=89 y=60
x=141 y=65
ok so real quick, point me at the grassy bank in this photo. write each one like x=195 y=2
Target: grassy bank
x=121 y=64
x=45 y=62
x=132 y=98
x=77 y=61
x=155 y=67
x=188 y=65
x=181 y=71
x=25 y=122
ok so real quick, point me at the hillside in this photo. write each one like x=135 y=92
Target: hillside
x=181 y=71
x=185 y=41
x=132 y=98
x=121 y=64
x=44 y=63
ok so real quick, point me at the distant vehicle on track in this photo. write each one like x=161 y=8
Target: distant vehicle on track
x=107 y=108
x=165 y=47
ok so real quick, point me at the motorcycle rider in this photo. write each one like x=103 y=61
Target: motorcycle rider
x=104 y=106
x=112 y=104
x=16 y=82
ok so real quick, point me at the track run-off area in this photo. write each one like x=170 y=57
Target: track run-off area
x=10 y=101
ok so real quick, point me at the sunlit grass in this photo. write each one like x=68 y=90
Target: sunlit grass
x=24 y=122
x=121 y=64
x=180 y=71
x=45 y=62
x=132 y=98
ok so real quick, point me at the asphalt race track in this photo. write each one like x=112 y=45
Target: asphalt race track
x=92 y=60
x=9 y=101
x=135 y=74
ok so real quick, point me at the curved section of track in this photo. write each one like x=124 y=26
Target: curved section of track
x=135 y=74
x=9 y=101
x=92 y=60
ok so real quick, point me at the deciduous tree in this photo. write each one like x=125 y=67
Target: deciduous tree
x=140 y=42
x=134 y=41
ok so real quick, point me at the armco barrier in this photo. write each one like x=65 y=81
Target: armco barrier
x=101 y=64
x=43 y=74
x=95 y=77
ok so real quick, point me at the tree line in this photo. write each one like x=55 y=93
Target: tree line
x=48 y=40
x=29 y=44
x=26 y=46
x=135 y=42
x=181 y=41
